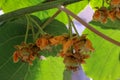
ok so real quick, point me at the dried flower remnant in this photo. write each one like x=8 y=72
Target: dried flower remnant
x=67 y=45
x=118 y=14
x=115 y=3
x=113 y=12
x=73 y=60
x=75 y=51
x=46 y=41
x=100 y=15
x=16 y=56
x=115 y=6
x=111 y=15
x=78 y=42
x=88 y=45
x=58 y=39
x=25 y=53
x=43 y=42
x=82 y=44
x=97 y=15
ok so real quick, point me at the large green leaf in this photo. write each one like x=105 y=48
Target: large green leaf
x=8 y=5
x=13 y=33
x=50 y=69
x=104 y=63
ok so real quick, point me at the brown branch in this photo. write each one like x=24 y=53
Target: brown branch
x=62 y=8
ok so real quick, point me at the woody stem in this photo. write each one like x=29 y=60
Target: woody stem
x=62 y=8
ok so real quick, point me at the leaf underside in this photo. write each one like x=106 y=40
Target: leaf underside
x=12 y=33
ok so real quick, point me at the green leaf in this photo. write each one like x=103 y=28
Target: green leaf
x=56 y=28
x=109 y=25
x=98 y=3
x=13 y=33
x=50 y=69
x=104 y=62
x=8 y=5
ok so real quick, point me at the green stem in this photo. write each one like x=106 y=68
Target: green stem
x=27 y=29
x=74 y=26
x=39 y=27
x=37 y=34
x=103 y=3
x=108 y=2
x=70 y=31
x=70 y=26
x=31 y=9
x=33 y=32
x=40 y=31
x=50 y=19
x=75 y=29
